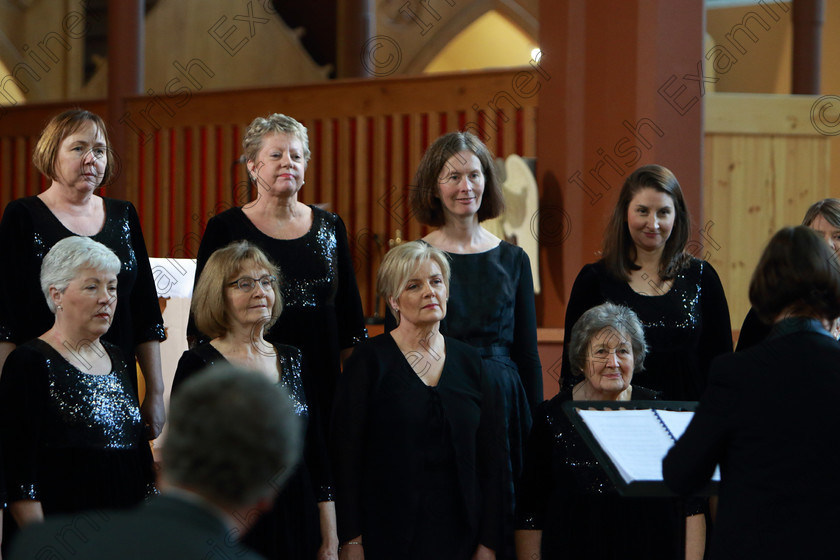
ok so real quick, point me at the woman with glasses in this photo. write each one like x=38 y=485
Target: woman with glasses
x=323 y=311
x=235 y=302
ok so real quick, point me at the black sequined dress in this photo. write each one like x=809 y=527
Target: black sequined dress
x=322 y=311
x=291 y=530
x=29 y=230
x=72 y=440
x=567 y=495
x=685 y=328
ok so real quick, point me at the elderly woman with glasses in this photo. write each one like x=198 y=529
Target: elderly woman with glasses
x=418 y=438
x=567 y=507
x=70 y=424
x=236 y=300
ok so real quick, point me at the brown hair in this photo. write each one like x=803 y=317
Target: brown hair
x=797 y=273
x=60 y=127
x=208 y=306
x=828 y=208
x=619 y=252
x=425 y=203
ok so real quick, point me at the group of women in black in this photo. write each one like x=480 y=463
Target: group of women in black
x=417 y=441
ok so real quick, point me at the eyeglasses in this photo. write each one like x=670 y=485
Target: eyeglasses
x=247 y=284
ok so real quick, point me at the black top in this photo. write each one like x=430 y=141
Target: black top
x=684 y=328
x=753 y=331
x=769 y=418
x=169 y=527
x=291 y=530
x=72 y=440
x=29 y=230
x=380 y=446
x=491 y=307
x=567 y=495
x=322 y=311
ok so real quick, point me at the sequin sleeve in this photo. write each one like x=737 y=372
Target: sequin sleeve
x=23 y=394
x=535 y=486
x=315 y=452
x=145 y=309
x=348 y=304
x=216 y=235
x=19 y=282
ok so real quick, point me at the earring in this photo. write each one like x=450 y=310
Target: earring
x=59 y=307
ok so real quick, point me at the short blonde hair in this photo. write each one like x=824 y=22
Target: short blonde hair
x=400 y=263
x=60 y=127
x=273 y=124
x=209 y=306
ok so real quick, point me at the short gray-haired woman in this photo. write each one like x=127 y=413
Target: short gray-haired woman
x=323 y=311
x=418 y=440
x=567 y=506
x=71 y=431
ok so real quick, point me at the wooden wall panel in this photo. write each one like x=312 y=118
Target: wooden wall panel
x=757 y=182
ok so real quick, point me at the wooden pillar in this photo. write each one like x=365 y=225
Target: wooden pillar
x=808 y=18
x=125 y=74
x=354 y=25
x=626 y=90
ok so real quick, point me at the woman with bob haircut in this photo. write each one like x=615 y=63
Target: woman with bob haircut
x=236 y=300
x=768 y=417
x=568 y=507
x=418 y=445
x=70 y=425
x=73 y=153
x=824 y=218
x=456 y=189
x=644 y=265
x=323 y=311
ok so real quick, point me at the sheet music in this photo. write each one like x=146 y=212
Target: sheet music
x=634 y=439
x=676 y=420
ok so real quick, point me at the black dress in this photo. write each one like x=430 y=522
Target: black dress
x=685 y=328
x=566 y=494
x=322 y=311
x=291 y=530
x=491 y=307
x=72 y=440
x=418 y=469
x=29 y=230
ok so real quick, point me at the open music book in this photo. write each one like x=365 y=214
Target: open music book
x=634 y=442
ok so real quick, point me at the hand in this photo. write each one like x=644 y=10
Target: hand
x=483 y=553
x=328 y=551
x=153 y=414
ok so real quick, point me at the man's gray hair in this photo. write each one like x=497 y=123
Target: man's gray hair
x=71 y=255
x=233 y=436
x=624 y=323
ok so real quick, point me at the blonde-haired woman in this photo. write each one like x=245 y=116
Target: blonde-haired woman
x=236 y=301
x=418 y=442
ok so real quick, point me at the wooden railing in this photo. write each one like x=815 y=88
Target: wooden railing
x=181 y=163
